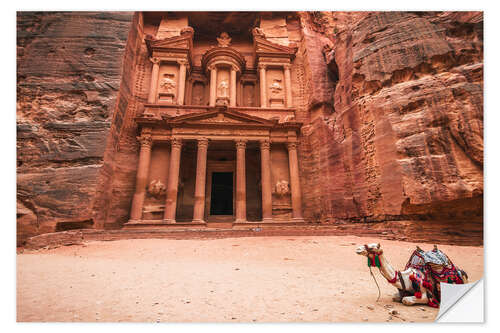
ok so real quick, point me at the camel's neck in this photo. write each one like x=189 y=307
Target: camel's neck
x=386 y=269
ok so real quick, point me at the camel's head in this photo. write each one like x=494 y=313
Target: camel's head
x=369 y=249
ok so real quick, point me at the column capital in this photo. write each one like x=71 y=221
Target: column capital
x=176 y=142
x=265 y=144
x=241 y=144
x=212 y=67
x=185 y=63
x=262 y=66
x=292 y=145
x=155 y=60
x=202 y=143
x=146 y=140
x=287 y=66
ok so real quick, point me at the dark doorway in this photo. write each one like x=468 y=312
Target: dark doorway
x=221 y=202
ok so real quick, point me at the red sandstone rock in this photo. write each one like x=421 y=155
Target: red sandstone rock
x=392 y=115
x=68 y=74
x=407 y=126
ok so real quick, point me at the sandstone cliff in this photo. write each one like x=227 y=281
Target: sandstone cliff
x=392 y=110
x=404 y=137
x=68 y=75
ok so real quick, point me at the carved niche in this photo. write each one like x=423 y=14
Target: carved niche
x=276 y=91
x=222 y=86
x=198 y=93
x=248 y=94
x=168 y=84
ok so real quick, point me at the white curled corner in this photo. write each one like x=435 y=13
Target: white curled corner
x=461 y=303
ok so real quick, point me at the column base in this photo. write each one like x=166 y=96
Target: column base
x=267 y=219
x=133 y=221
x=198 y=221
x=169 y=221
x=240 y=221
x=298 y=219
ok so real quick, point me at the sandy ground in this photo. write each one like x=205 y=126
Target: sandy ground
x=257 y=279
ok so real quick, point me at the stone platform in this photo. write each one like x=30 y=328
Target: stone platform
x=156 y=224
x=439 y=232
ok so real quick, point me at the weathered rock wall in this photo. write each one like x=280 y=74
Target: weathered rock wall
x=117 y=179
x=405 y=135
x=69 y=67
x=393 y=116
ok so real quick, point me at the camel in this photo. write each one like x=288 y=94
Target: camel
x=414 y=286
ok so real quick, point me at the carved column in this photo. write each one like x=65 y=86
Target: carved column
x=142 y=177
x=153 y=87
x=241 y=192
x=232 y=100
x=201 y=175
x=173 y=181
x=265 y=169
x=182 y=81
x=295 y=182
x=288 y=85
x=213 y=85
x=263 y=86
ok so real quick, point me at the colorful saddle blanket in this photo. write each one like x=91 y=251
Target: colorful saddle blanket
x=437 y=265
x=436 y=268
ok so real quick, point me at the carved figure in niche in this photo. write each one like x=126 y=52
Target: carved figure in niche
x=157 y=189
x=224 y=40
x=168 y=84
x=276 y=87
x=223 y=89
x=282 y=188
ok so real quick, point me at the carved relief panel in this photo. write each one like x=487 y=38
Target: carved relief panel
x=275 y=87
x=168 y=82
x=280 y=180
x=157 y=181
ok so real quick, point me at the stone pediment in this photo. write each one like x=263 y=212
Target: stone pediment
x=264 y=47
x=220 y=117
x=183 y=42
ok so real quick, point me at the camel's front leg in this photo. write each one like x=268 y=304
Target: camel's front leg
x=411 y=300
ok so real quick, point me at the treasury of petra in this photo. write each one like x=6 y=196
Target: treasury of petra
x=229 y=120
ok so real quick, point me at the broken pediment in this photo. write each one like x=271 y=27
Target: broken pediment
x=184 y=42
x=264 y=47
